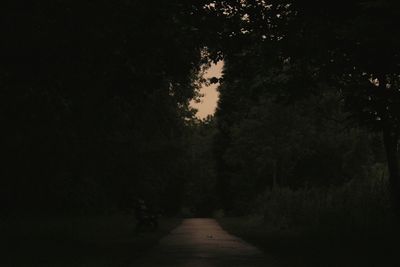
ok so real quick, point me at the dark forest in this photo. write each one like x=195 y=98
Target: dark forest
x=104 y=156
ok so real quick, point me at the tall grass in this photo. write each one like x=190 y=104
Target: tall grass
x=356 y=205
x=348 y=225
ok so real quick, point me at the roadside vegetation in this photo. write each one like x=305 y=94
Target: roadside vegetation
x=78 y=241
x=350 y=225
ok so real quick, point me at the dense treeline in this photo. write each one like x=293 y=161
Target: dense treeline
x=306 y=93
x=94 y=98
x=200 y=196
x=95 y=102
x=268 y=140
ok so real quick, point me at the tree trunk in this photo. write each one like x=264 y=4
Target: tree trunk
x=390 y=139
x=275 y=174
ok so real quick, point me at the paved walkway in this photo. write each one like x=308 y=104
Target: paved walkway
x=203 y=243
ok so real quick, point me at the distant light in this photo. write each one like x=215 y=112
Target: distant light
x=208 y=102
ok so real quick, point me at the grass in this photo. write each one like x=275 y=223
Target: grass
x=94 y=241
x=322 y=248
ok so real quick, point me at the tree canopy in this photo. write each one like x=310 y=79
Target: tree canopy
x=95 y=100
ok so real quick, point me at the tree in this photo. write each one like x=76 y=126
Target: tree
x=94 y=98
x=359 y=51
x=298 y=48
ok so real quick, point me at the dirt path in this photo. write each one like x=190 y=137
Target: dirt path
x=202 y=242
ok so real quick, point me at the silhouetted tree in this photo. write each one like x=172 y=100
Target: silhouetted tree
x=94 y=96
x=289 y=50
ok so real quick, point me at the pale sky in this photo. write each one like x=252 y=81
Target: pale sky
x=208 y=103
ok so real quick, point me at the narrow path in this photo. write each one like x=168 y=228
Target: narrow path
x=203 y=243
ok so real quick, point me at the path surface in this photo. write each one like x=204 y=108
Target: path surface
x=203 y=243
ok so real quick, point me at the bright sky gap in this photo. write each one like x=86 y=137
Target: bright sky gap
x=208 y=103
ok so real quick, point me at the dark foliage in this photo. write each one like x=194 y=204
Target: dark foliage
x=305 y=93
x=93 y=101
